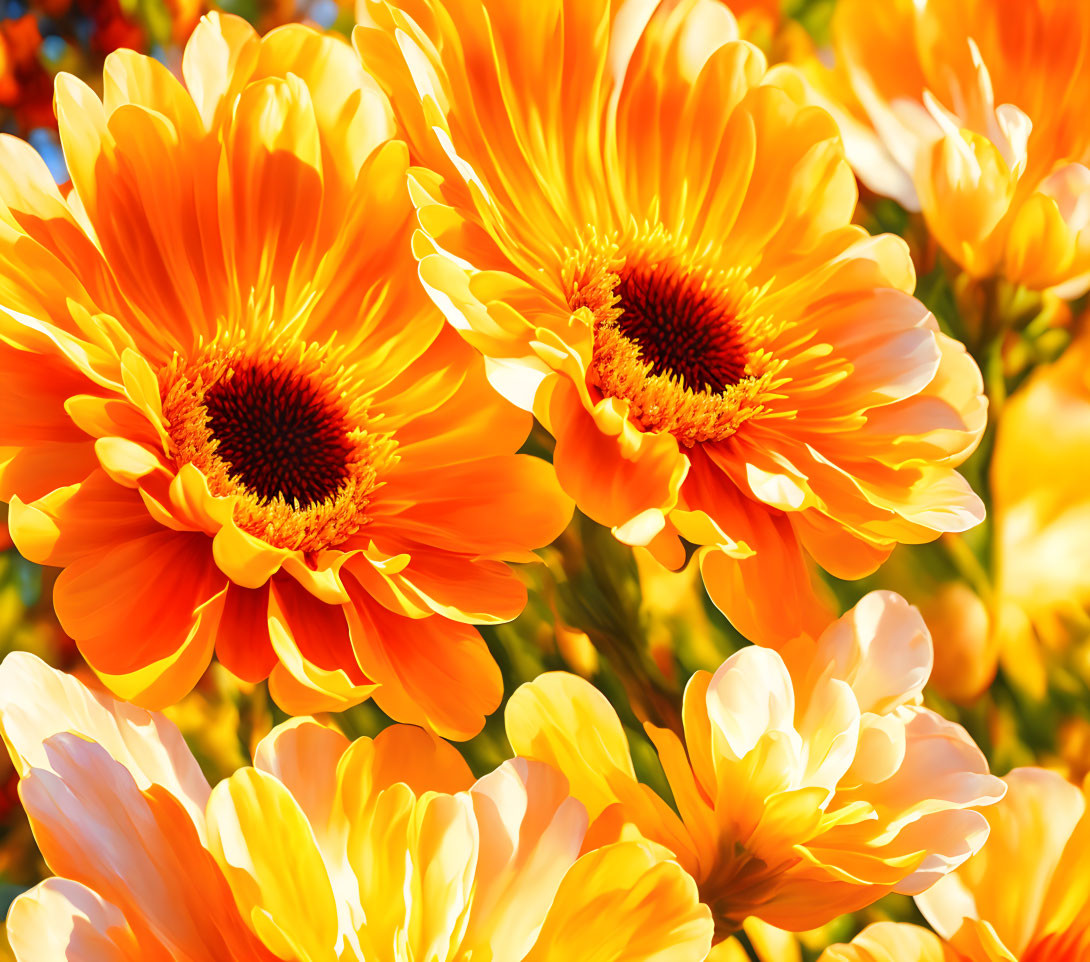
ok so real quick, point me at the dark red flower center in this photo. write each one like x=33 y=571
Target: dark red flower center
x=280 y=434
x=679 y=341
x=286 y=432
x=681 y=326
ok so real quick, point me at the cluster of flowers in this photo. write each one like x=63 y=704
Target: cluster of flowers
x=269 y=365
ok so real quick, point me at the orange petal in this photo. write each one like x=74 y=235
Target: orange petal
x=420 y=760
x=615 y=472
x=244 y=647
x=33 y=472
x=274 y=150
x=431 y=671
x=770 y=596
x=133 y=848
x=498 y=507
x=474 y=423
x=80 y=520
x=138 y=602
x=317 y=669
x=459 y=588
x=399 y=755
x=319 y=630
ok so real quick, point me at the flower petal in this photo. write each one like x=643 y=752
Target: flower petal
x=621 y=904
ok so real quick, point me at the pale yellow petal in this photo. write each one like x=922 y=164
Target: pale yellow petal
x=59 y=920
x=37 y=701
x=621 y=904
x=268 y=852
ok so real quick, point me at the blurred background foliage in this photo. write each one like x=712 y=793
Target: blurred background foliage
x=597 y=607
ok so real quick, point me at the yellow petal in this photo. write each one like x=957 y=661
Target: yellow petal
x=566 y=722
x=891 y=942
x=61 y=919
x=37 y=702
x=304 y=756
x=620 y=904
x=1006 y=883
x=267 y=851
x=531 y=831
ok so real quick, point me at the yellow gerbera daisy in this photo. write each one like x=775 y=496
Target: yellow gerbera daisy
x=804 y=789
x=650 y=240
x=973 y=111
x=324 y=851
x=1041 y=516
x=229 y=411
x=1024 y=898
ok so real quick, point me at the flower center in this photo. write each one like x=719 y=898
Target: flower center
x=681 y=342
x=284 y=431
x=279 y=434
x=679 y=327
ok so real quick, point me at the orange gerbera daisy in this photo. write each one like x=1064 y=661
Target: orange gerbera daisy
x=803 y=790
x=1024 y=898
x=228 y=409
x=974 y=111
x=657 y=258
x=324 y=851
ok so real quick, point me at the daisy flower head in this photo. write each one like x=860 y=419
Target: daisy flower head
x=229 y=411
x=972 y=111
x=657 y=258
x=807 y=785
x=324 y=850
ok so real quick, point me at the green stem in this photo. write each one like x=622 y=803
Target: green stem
x=968 y=566
x=995 y=379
